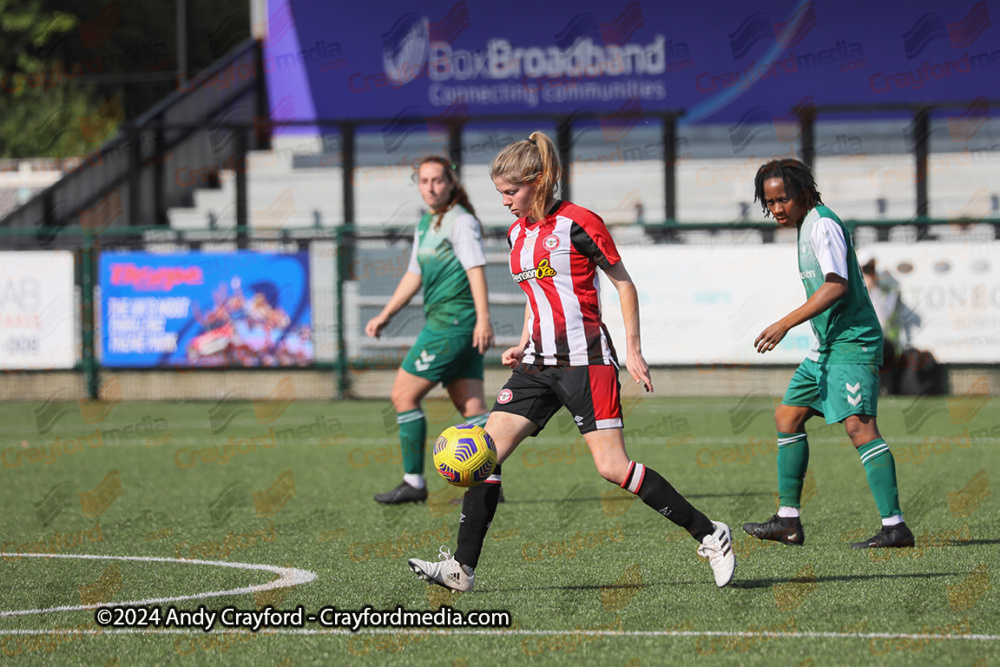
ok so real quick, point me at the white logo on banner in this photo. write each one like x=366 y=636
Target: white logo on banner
x=405 y=48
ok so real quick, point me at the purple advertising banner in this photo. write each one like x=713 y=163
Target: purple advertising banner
x=719 y=62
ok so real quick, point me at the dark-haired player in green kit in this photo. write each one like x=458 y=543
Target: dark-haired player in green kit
x=447 y=262
x=839 y=379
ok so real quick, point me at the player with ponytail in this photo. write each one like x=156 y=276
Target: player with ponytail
x=565 y=358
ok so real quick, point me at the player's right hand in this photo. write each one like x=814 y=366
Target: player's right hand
x=770 y=337
x=512 y=357
x=375 y=326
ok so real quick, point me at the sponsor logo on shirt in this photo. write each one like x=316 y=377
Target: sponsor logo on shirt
x=543 y=270
x=807 y=274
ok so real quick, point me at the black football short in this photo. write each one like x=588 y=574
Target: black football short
x=592 y=394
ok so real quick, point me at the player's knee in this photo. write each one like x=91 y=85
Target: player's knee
x=612 y=471
x=861 y=434
x=787 y=420
x=404 y=401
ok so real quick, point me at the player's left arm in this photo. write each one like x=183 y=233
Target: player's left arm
x=482 y=333
x=467 y=242
x=591 y=238
x=629 y=297
x=830 y=248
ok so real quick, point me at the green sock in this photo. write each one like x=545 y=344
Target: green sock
x=793 y=459
x=412 y=434
x=880 y=468
x=479 y=420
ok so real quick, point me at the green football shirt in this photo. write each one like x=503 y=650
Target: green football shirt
x=441 y=257
x=848 y=332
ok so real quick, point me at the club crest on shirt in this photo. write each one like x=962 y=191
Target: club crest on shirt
x=551 y=242
x=543 y=270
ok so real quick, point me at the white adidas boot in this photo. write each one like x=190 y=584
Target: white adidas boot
x=718 y=549
x=448 y=572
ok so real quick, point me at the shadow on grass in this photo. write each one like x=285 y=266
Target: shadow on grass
x=767 y=583
x=594 y=587
x=967 y=543
x=738 y=583
x=628 y=498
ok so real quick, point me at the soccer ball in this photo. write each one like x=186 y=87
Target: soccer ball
x=465 y=455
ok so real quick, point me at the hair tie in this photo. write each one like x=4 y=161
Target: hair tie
x=533 y=142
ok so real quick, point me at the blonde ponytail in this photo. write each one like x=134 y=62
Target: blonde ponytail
x=534 y=160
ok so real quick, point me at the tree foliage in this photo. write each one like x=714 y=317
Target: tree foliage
x=47 y=109
x=72 y=71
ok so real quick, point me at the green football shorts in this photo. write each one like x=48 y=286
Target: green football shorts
x=835 y=391
x=444 y=355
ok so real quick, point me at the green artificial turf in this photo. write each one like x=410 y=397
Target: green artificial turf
x=588 y=573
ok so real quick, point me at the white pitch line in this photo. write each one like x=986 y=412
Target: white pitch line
x=288 y=577
x=521 y=632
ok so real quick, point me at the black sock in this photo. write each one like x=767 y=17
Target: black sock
x=664 y=498
x=478 y=507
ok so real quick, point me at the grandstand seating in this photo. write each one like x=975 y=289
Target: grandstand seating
x=710 y=190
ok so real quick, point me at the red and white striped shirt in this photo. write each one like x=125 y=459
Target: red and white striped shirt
x=555 y=262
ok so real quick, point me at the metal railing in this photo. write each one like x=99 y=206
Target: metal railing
x=128 y=174
x=350 y=281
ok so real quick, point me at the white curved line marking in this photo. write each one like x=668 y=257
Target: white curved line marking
x=287 y=577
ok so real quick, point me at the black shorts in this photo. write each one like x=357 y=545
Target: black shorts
x=592 y=394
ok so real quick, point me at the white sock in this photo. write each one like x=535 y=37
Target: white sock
x=894 y=520
x=788 y=512
x=414 y=480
